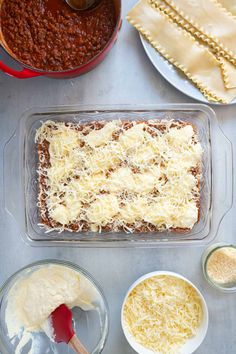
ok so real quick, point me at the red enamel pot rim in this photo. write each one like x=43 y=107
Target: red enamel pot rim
x=29 y=72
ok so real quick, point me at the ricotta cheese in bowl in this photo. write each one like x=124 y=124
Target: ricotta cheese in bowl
x=35 y=292
x=164 y=313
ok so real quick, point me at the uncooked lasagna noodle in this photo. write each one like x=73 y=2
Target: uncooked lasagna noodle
x=132 y=176
x=227 y=67
x=210 y=18
x=230 y=5
x=183 y=50
x=184 y=22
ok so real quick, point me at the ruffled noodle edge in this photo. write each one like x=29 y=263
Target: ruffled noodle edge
x=208 y=93
x=204 y=35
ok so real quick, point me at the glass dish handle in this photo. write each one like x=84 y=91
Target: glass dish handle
x=224 y=161
x=227 y=196
x=11 y=177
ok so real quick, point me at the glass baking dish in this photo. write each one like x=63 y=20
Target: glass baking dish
x=20 y=175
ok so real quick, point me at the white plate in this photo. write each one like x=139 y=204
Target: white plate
x=173 y=75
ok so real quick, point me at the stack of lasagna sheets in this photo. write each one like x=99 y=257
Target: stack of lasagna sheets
x=197 y=36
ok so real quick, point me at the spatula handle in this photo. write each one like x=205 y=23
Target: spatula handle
x=77 y=346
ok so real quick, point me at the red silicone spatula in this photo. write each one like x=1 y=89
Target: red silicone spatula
x=61 y=320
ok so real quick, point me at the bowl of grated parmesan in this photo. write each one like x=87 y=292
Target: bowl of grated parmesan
x=164 y=313
x=219 y=266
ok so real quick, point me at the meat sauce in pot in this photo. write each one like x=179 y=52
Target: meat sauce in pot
x=49 y=35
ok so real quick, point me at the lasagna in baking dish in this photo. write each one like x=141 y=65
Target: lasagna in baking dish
x=132 y=176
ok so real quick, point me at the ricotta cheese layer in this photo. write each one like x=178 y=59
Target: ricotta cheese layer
x=131 y=176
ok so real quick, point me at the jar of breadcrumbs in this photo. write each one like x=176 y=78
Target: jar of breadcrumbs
x=219 y=266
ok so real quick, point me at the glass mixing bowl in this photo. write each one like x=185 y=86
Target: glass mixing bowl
x=91 y=326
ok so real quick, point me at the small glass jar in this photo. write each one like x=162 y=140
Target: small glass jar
x=230 y=287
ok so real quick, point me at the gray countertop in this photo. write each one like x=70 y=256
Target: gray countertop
x=126 y=76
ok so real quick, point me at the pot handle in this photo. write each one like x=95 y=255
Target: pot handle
x=22 y=74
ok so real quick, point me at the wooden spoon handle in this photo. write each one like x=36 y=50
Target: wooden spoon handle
x=77 y=346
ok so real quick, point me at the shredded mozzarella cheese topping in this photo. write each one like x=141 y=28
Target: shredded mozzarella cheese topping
x=125 y=173
x=162 y=313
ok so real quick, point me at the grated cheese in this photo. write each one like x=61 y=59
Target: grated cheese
x=105 y=134
x=221 y=266
x=142 y=176
x=162 y=313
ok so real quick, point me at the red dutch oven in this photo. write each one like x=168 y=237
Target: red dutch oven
x=29 y=72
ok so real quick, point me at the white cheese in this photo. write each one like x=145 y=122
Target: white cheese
x=133 y=136
x=103 y=209
x=105 y=134
x=162 y=313
x=146 y=177
x=36 y=295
